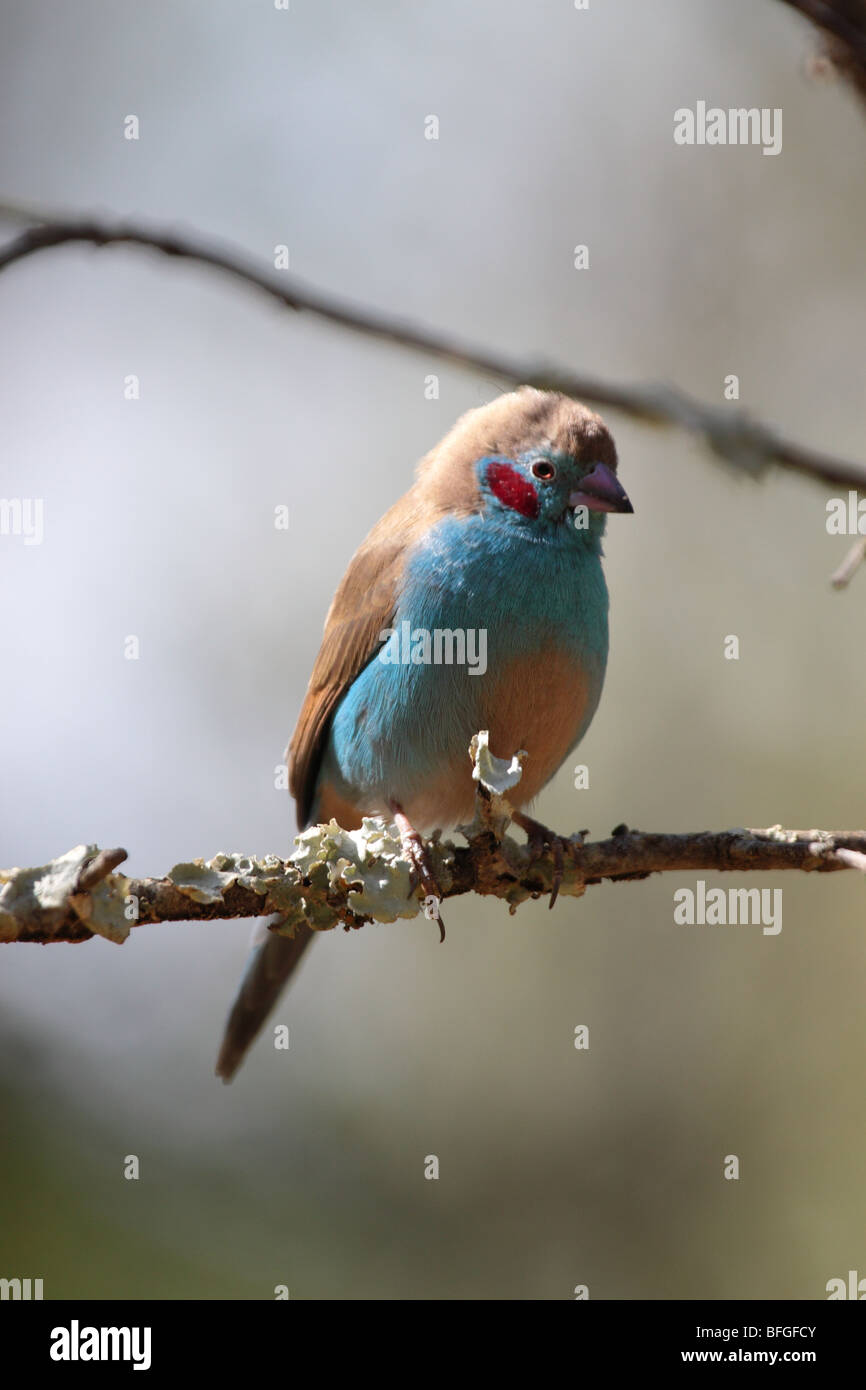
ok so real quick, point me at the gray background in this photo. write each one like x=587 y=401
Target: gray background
x=557 y=1167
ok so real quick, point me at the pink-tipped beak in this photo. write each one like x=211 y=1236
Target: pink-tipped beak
x=599 y=491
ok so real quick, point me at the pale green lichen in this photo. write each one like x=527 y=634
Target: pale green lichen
x=777 y=833
x=494 y=776
x=366 y=866
x=104 y=908
x=206 y=882
x=37 y=895
x=369 y=863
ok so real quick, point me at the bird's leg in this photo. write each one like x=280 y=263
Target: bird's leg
x=416 y=852
x=540 y=838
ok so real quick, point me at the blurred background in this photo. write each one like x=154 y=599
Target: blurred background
x=557 y=1167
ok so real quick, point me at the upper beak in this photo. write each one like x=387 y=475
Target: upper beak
x=599 y=491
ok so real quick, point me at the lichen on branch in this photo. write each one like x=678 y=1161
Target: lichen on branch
x=339 y=877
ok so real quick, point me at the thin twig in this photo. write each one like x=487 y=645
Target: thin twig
x=98 y=868
x=842 y=577
x=731 y=435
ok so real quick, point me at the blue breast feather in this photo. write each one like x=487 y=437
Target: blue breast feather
x=530 y=587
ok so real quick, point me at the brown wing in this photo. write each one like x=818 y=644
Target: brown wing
x=363 y=605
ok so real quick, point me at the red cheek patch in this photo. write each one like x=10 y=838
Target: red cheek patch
x=513 y=489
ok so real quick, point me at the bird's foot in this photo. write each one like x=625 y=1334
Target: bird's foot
x=540 y=839
x=415 y=851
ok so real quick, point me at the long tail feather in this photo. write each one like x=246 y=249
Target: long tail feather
x=272 y=961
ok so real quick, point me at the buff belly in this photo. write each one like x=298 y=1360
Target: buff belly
x=541 y=702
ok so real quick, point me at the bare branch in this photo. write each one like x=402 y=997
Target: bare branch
x=744 y=443
x=841 y=578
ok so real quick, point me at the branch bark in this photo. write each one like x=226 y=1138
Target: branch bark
x=841 y=577
x=347 y=880
x=730 y=434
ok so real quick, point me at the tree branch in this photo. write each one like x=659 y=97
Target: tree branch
x=338 y=877
x=747 y=444
x=350 y=880
x=841 y=577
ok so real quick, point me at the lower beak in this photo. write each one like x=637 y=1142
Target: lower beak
x=600 y=491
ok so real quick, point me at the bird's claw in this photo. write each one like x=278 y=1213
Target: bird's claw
x=540 y=839
x=422 y=873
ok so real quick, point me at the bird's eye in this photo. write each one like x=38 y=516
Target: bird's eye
x=543 y=469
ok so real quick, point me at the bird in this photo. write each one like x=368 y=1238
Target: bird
x=500 y=534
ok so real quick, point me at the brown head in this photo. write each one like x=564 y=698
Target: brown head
x=518 y=427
